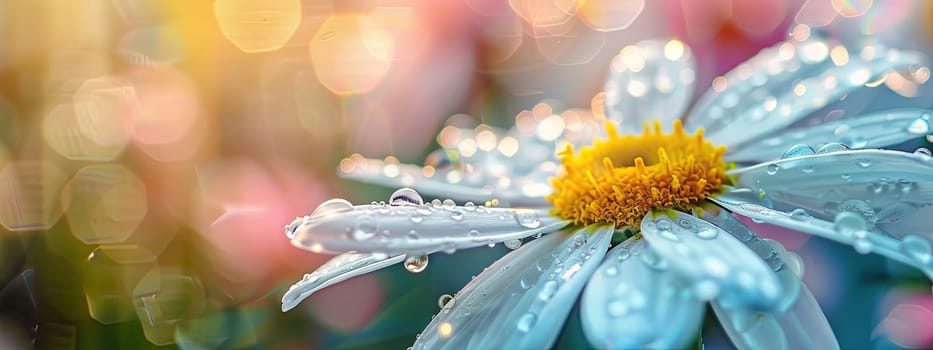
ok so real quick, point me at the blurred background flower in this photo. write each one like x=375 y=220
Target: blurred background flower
x=152 y=151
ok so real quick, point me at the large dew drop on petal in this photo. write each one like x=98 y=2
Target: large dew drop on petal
x=633 y=301
x=522 y=300
x=718 y=265
x=335 y=270
x=411 y=229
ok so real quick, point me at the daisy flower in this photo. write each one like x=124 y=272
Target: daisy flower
x=640 y=224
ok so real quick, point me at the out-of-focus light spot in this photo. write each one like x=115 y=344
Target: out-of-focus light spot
x=449 y=136
x=609 y=15
x=901 y=326
x=428 y=171
x=486 y=140
x=851 y=8
x=720 y=84
x=786 y=51
x=569 y=43
x=674 y=50
x=813 y=52
x=868 y=52
x=816 y=13
x=631 y=59
x=110 y=274
x=258 y=25
x=542 y=110
x=800 y=32
x=860 y=76
x=29 y=195
x=598 y=105
x=105 y=203
x=454 y=176
x=508 y=146
x=342 y=61
x=543 y=13
x=770 y=103
x=800 y=89
x=636 y=88
x=550 y=128
x=900 y=84
x=445 y=330
x=525 y=122
x=164 y=122
x=92 y=127
x=877 y=82
x=467 y=147
x=393 y=33
x=163 y=298
x=839 y=55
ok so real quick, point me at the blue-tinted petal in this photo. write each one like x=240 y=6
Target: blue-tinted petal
x=798 y=323
x=523 y=299
x=912 y=250
x=650 y=80
x=335 y=270
x=338 y=226
x=785 y=83
x=891 y=190
x=875 y=130
x=718 y=265
x=634 y=302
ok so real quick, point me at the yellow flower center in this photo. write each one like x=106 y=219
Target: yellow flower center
x=620 y=179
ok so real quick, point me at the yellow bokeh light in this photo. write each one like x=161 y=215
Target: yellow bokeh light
x=106 y=203
x=674 y=50
x=258 y=25
x=609 y=15
x=342 y=61
x=839 y=55
x=29 y=193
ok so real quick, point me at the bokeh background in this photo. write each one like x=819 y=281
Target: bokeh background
x=151 y=152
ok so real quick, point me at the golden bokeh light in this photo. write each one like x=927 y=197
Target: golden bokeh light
x=106 y=203
x=29 y=195
x=258 y=25
x=609 y=15
x=341 y=59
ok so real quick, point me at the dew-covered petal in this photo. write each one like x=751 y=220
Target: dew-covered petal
x=649 y=80
x=785 y=83
x=718 y=265
x=874 y=130
x=633 y=302
x=338 y=226
x=798 y=323
x=912 y=250
x=522 y=300
x=888 y=188
x=473 y=181
x=335 y=270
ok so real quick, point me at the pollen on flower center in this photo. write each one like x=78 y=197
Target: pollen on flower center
x=620 y=179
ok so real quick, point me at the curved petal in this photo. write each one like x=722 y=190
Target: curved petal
x=875 y=130
x=338 y=269
x=912 y=250
x=631 y=295
x=652 y=79
x=338 y=226
x=799 y=323
x=887 y=188
x=718 y=265
x=522 y=300
x=785 y=83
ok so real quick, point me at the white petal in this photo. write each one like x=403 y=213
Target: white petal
x=415 y=229
x=477 y=181
x=912 y=250
x=887 y=187
x=650 y=80
x=634 y=302
x=799 y=322
x=718 y=265
x=785 y=83
x=523 y=299
x=335 y=270
x=875 y=130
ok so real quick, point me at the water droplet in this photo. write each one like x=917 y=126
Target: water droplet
x=527 y=218
x=416 y=264
x=831 y=147
x=449 y=204
x=773 y=169
x=365 y=228
x=513 y=243
x=863 y=162
x=469 y=206
x=416 y=219
x=293 y=226
x=797 y=151
x=795 y=262
x=436 y=203
x=920 y=126
x=456 y=215
x=617 y=308
x=412 y=235
x=449 y=248
x=846 y=176
x=526 y=322
x=445 y=301
x=405 y=196
x=861 y=208
x=848 y=223
x=918 y=248
x=923 y=152
x=862 y=246
x=330 y=206
x=706 y=289
x=611 y=271
x=548 y=290
x=799 y=214
x=707 y=233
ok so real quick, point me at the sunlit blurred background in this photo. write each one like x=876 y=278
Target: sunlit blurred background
x=153 y=150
